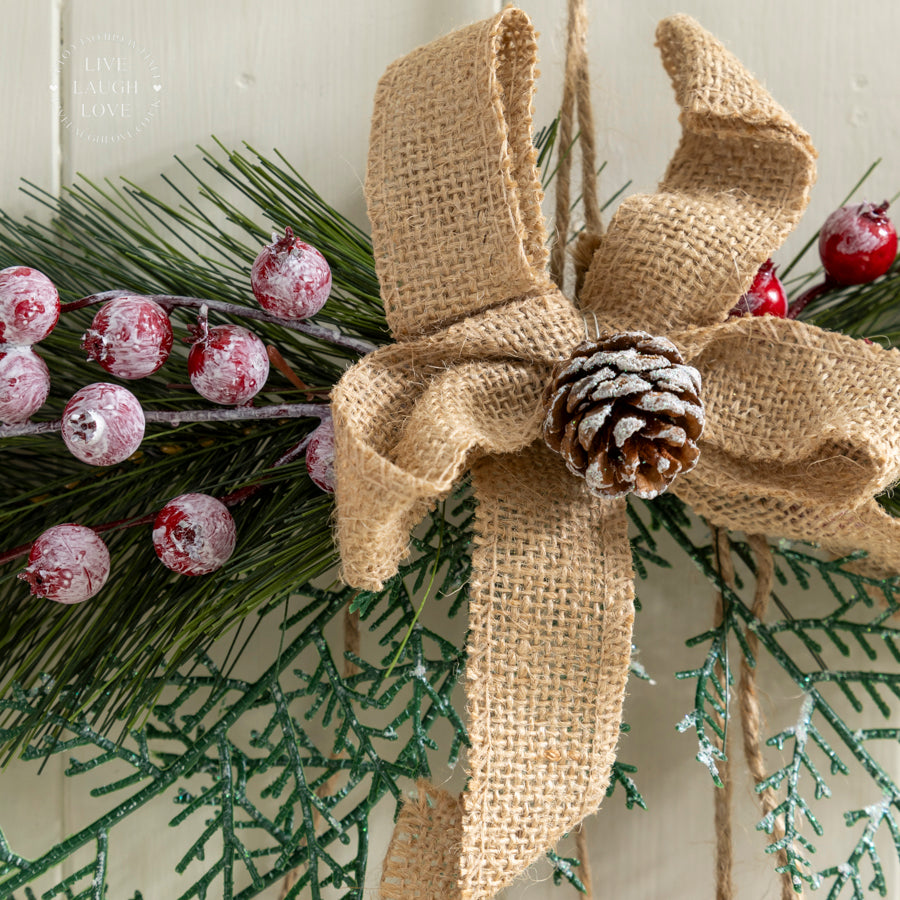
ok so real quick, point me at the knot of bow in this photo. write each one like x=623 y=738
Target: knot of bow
x=801 y=424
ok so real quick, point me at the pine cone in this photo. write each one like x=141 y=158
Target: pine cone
x=624 y=413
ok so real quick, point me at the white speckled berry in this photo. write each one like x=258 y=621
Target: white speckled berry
x=320 y=456
x=130 y=337
x=24 y=383
x=67 y=563
x=29 y=305
x=290 y=279
x=228 y=365
x=194 y=534
x=103 y=424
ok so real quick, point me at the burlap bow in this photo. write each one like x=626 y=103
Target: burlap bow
x=801 y=424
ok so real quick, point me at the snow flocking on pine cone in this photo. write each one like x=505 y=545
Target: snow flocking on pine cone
x=624 y=412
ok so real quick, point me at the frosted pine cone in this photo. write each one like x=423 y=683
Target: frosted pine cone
x=625 y=414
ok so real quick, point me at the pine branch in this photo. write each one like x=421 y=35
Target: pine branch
x=267 y=791
x=105 y=237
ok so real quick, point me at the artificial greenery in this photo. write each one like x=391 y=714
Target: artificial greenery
x=129 y=678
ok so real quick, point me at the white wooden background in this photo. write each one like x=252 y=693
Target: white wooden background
x=299 y=75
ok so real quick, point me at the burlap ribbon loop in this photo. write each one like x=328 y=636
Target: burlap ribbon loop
x=801 y=425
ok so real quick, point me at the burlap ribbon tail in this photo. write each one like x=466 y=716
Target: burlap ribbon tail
x=801 y=424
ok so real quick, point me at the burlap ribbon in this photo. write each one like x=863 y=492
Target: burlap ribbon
x=801 y=424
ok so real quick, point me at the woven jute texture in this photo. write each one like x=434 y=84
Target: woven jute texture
x=799 y=430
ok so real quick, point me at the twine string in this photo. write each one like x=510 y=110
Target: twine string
x=577 y=85
x=576 y=100
x=723 y=796
x=751 y=716
x=584 y=857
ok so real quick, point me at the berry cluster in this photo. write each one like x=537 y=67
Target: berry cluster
x=857 y=244
x=29 y=310
x=103 y=424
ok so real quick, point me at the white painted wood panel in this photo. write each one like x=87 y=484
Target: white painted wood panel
x=29 y=126
x=300 y=76
x=28 y=116
x=297 y=76
x=826 y=63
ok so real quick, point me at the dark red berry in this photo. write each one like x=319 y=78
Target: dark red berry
x=194 y=534
x=103 y=424
x=290 y=279
x=765 y=297
x=320 y=456
x=67 y=563
x=29 y=305
x=857 y=243
x=130 y=337
x=24 y=383
x=228 y=364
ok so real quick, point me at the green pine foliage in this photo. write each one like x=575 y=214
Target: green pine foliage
x=129 y=681
x=149 y=622
x=287 y=798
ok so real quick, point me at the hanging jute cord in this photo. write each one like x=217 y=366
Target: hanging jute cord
x=577 y=90
x=750 y=708
x=576 y=96
x=723 y=796
x=751 y=720
x=584 y=857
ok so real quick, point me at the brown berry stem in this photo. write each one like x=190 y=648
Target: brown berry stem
x=170 y=301
x=174 y=419
x=231 y=499
x=817 y=290
x=280 y=363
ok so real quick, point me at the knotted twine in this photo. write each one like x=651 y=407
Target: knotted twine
x=801 y=424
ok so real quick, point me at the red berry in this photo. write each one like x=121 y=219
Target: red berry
x=228 y=364
x=67 y=563
x=103 y=424
x=29 y=305
x=765 y=297
x=320 y=456
x=130 y=337
x=857 y=243
x=194 y=534
x=290 y=279
x=24 y=383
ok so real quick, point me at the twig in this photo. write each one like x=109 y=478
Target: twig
x=174 y=419
x=170 y=301
x=232 y=499
x=280 y=363
x=816 y=291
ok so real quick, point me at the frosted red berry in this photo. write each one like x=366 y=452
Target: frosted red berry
x=194 y=534
x=320 y=456
x=228 y=364
x=29 y=305
x=24 y=383
x=766 y=296
x=130 y=337
x=857 y=243
x=103 y=424
x=290 y=279
x=67 y=563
